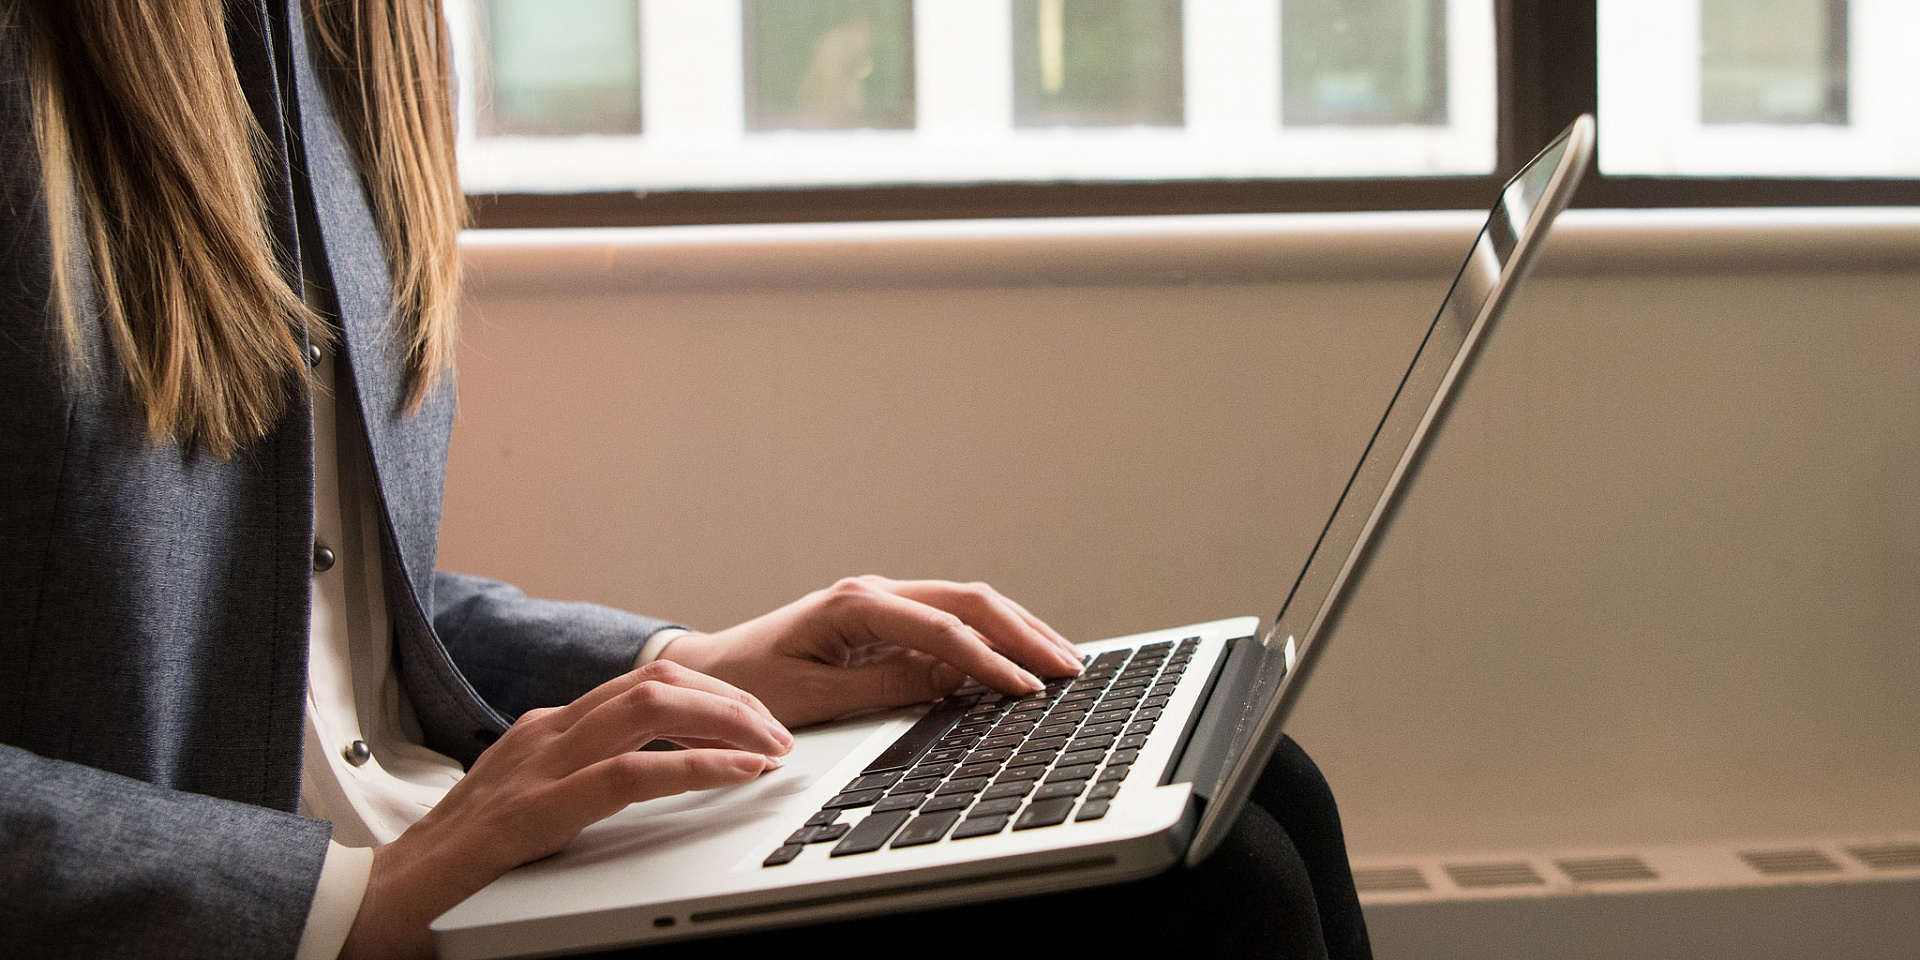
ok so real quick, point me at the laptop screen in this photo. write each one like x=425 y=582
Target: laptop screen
x=1277 y=665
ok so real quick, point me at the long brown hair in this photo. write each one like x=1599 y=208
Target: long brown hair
x=148 y=150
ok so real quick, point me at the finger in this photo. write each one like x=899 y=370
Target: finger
x=892 y=683
x=663 y=671
x=653 y=709
x=1001 y=622
x=602 y=789
x=883 y=616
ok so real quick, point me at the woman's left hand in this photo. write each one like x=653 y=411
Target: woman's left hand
x=869 y=642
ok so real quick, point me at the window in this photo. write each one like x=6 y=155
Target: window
x=1760 y=88
x=1364 y=62
x=676 y=111
x=747 y=95
x=829 y=64
x=560 y=67
x=1098 y=63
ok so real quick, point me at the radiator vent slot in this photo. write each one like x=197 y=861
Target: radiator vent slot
x=1902 y=856
x=1790 y=861
x=1494 y=875
x=1605 y=869
x=1389 y=879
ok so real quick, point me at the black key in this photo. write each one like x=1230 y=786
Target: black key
x=1012 y=788
x=1104 y=791
x=1154 y=702
x=1077 y=757
x=1062 y=774
x=1159 y=647
x=914 y=787
x=1147 y=713
x=1131 y=741
x=927 y=828
x=976 y=770
x=783 y=855
x=1045 y=813
x=935 y=770
x=872 y=781
x=1091 y=810
x=847 y=801
x=823 y=818
x=920 y=736
x=995 y=755
x=1006 y=741
x=994 y=807
x=951 y=801
x=1037 y=745
x=872 y=833
x=907 y=801
x=1140 y=726
x=1020 y=774
x=981 y=826
x=1114 y=771
x=1008 y=729
x=833 y=831
x=971 y=785
x=1096 y=729
x=1091 y=743
x=1040 y=757
x=1109 y=716
x=1054 y=791
x=1124 y=756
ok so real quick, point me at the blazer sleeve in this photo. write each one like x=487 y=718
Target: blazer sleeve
x=100 y=865
x=520 y=653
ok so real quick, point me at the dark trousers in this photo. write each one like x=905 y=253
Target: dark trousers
x=1278 y=887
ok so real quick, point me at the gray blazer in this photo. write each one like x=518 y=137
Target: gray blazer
x=154 y=600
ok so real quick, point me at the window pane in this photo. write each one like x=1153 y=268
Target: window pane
x=1097 y=63
x=1759 y=88
x=1363 y=62
x=1773 y=61
x=561 y=67
x=829 y=64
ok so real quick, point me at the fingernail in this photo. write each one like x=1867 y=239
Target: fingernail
x=773 y=763
x=1033 y=682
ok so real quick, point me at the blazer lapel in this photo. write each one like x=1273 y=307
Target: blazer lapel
x=409 y=452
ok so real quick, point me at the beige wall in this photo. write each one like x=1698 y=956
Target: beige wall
x=1660 y=581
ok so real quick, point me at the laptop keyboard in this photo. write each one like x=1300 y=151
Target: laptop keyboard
x=979 y=761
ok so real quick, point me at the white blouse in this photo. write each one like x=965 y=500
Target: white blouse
x=364 y=766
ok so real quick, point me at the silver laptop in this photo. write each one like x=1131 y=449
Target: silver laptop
x=1142 y=762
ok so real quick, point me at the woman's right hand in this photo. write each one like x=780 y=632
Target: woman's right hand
x=554 y=772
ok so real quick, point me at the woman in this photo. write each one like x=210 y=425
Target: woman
x=226 y=300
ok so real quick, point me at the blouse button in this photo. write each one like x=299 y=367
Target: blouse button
x=357 y=753
x=322 y=559
x=313 y=354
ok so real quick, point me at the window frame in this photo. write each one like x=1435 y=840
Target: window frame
x=1534 y=103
